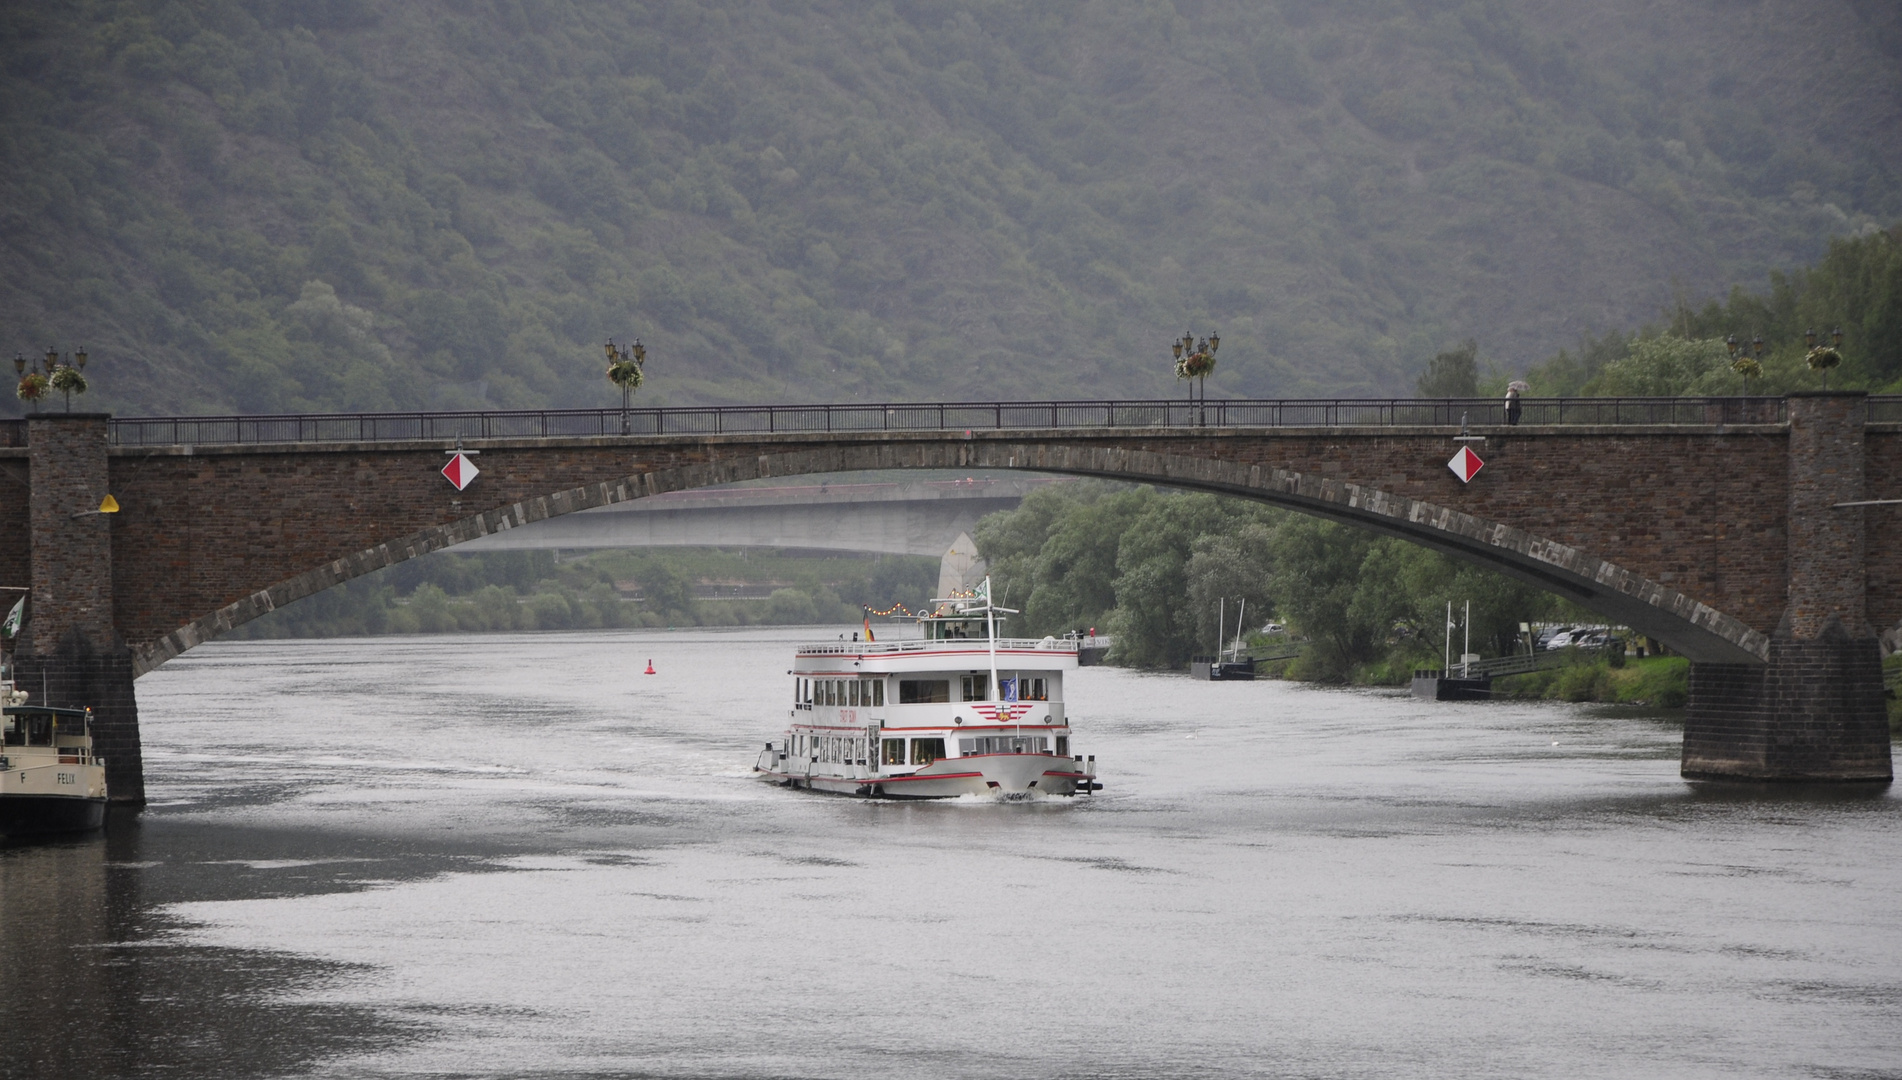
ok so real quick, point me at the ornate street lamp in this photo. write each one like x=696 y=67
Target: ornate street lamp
x=1746 y=358
x=1195 y=360
x=624 y=371
x=67 y=376
x=1823 y=357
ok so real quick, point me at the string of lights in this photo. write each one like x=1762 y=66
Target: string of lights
x=956 y=594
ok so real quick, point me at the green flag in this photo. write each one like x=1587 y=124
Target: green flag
x=12 y=626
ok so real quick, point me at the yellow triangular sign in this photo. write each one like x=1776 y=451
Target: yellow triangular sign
x=108 y=505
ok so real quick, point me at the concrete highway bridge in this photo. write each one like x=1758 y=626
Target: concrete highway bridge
x=918 y=517
x=1736 y=530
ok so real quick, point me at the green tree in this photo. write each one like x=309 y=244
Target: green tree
x=667 y=591
x=1236 y=567
x=1074 y=574
x=1331 y=594
x=1666 y=366
x=429 y=606
x=1452 y=374
x=1155 y=622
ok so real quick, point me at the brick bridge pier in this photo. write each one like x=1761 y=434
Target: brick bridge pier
x=1718 y=526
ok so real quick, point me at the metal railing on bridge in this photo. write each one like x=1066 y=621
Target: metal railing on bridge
x=1293 y=413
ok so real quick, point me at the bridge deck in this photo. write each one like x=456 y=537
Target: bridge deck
x=940 y=417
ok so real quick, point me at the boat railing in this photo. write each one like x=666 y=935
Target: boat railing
x=899 y=648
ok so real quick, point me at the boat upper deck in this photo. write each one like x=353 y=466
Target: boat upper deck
x=949 y=653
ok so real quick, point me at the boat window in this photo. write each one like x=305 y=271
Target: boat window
x=1035 y=690
x=855 y=692
x=923 y=691
x=894 y=751
x=1063 y=746
x=39 y=728
x=977 y=687
x=1005 y=744
x=878 y=692
x=926 y=751
x=831 y=692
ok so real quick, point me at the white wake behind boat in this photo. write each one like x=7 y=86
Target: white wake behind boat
x=961 y=712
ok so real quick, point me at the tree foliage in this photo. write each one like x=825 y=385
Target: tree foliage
x=1451 y=374
x=1155 y=569
x=1856 y=286
x=261 y=205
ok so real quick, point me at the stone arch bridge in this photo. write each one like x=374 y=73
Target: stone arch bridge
x=1727 y=528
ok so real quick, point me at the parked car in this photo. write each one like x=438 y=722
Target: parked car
x=1556 y=637
x=1547 y=634
x=1591 y=639
x=1274 y=628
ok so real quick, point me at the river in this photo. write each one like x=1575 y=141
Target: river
x=516 y=855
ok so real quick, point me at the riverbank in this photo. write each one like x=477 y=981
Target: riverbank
x=1660 y=681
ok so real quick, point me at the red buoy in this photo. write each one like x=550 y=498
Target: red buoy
x=650 y=668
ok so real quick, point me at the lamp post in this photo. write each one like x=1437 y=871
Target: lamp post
x=624 y=371
x=1746 y=358
x=1195 y=360
x=65 y=375
x=1823 y=357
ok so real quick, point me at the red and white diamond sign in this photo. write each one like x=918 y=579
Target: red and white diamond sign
x=1466 y=464
x=460 y=471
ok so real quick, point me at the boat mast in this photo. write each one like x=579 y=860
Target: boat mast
x=1235 y=654
x=1469 y=639
x=990 y=626
x=1446 y=653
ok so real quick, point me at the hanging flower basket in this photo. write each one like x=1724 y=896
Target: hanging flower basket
x=33 y=386
x=625 y=374
x=68 y=380
x=1823 y=358
x=1195 y=365
x=1747 y=366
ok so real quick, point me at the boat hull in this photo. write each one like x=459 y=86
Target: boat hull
x=40 y=815
x=950 y=778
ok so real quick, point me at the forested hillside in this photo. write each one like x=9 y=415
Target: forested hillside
x=278 y=205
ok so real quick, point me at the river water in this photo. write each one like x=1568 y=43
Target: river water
x=519 y=856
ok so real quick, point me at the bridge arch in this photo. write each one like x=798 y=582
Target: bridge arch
x=1688 y=626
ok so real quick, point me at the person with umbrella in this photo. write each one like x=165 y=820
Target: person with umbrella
x=1513 y=407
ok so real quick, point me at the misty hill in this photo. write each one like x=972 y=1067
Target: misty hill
x=273 y=205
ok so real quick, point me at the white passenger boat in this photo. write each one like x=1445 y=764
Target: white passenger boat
x=963 y=711
x=50 y=782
